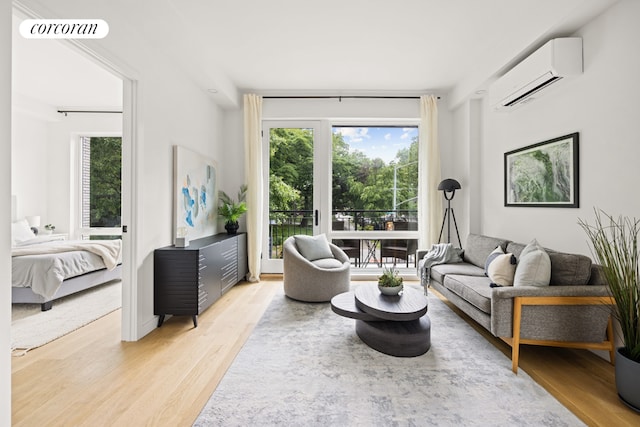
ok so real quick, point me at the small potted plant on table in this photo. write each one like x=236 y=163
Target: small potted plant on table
x=390 y=283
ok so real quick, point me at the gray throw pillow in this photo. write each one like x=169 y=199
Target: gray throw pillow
x=534 y=266
x=313 y=247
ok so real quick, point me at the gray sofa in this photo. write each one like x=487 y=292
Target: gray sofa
x=571 y=312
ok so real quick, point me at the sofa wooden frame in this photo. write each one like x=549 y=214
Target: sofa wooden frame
x=515 y=341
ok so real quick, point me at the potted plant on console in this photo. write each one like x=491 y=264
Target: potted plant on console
x=231 y=210
x=390 y=283
x=615 y=246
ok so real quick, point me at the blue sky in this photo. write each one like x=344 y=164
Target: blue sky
x=374 y=142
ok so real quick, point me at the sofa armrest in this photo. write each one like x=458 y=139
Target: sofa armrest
x=549 y=320
x=420 y=253
x=508 y=292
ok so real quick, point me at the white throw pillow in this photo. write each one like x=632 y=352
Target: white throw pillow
x=20 y=231
x=313 y=247
x=534 y=266
x=493 y=255
x=501 y=270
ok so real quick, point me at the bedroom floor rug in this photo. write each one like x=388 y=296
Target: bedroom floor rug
x=304 y=365
x=32 y=328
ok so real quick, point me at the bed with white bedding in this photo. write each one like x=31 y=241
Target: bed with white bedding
x=45 y=269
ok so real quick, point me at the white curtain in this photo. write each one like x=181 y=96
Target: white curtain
x=253 y=177
x=430 y=209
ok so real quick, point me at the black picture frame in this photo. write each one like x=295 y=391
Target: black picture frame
x=544 y=175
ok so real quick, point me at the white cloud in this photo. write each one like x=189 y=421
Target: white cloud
x=387 y=136
x=354 y=135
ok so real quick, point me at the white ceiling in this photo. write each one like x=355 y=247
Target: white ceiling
x=53 y=74
x=329 y=47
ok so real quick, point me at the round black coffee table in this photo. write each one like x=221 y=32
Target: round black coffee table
x=394 y=325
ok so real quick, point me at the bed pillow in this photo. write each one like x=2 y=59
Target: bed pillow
x=534 y=266
x=20 y=231
x=313 y=247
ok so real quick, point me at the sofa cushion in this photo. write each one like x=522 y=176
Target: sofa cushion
x=534 y=266
x=439 y=271
x=566 y=269
x=473 y=289
x=569 y=269
x=313 y=247
x=478 y=248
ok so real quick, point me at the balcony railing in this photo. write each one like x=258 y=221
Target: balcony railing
x=365 y=252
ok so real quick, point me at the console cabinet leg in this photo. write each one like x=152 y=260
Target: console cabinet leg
x=160 y=320
x=195 y=320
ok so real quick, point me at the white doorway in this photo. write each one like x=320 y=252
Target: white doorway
x=74 y=79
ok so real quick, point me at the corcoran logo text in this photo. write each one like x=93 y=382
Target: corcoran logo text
x=64 y=28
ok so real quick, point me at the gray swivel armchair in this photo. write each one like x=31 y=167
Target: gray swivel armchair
x=318 y=280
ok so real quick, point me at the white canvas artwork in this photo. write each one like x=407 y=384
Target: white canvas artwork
x=195 y=194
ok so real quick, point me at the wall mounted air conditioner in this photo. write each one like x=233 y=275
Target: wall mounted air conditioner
x=555 y=60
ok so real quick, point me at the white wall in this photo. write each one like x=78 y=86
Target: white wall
x=602 y=105
x=44 y=162
x=5 y=213
x=29 y=154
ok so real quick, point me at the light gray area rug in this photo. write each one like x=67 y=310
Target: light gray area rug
x=32 y=328
x=305 y=366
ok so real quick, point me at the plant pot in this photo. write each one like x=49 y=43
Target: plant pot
x=390 y=290
x=231 y=227
x=628 y=380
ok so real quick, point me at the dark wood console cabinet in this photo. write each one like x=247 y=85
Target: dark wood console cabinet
x=186 y=281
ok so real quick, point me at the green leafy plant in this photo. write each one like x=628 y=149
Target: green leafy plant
x=390 y=278
x=231 y=210
x=50 y=227
x=615 y=245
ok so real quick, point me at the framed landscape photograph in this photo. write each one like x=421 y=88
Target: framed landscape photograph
x=543 y=174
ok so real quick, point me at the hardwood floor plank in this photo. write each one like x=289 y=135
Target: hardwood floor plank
x=91 y=378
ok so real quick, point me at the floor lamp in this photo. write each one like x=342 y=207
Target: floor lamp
x=449 y=187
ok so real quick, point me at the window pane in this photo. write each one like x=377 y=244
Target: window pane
x=290 y=185
x=375 y=176
x=101 y=176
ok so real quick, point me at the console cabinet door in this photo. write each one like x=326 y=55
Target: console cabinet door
x=229 y=266
x=209 y=276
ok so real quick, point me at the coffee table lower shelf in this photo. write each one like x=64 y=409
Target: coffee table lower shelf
x=396 y=338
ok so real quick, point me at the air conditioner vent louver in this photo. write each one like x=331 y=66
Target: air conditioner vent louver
x=532 y=91
x=557 y=59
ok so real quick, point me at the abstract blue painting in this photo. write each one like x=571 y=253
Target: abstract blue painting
x=195 y=190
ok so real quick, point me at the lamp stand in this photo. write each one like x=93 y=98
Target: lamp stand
x=448 y=213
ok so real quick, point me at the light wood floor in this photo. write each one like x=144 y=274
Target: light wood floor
x=91 y=378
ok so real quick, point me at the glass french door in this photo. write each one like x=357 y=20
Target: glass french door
x=296 y=183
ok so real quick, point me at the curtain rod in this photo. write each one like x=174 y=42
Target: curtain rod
x=65 y=112
x=339 y=97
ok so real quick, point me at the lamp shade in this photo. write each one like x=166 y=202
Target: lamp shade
x=449 y=185
x=34 y=221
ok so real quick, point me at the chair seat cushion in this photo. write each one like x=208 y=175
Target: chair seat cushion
x=327 y=263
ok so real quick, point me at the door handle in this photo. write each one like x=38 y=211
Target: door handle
x=316 y=216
